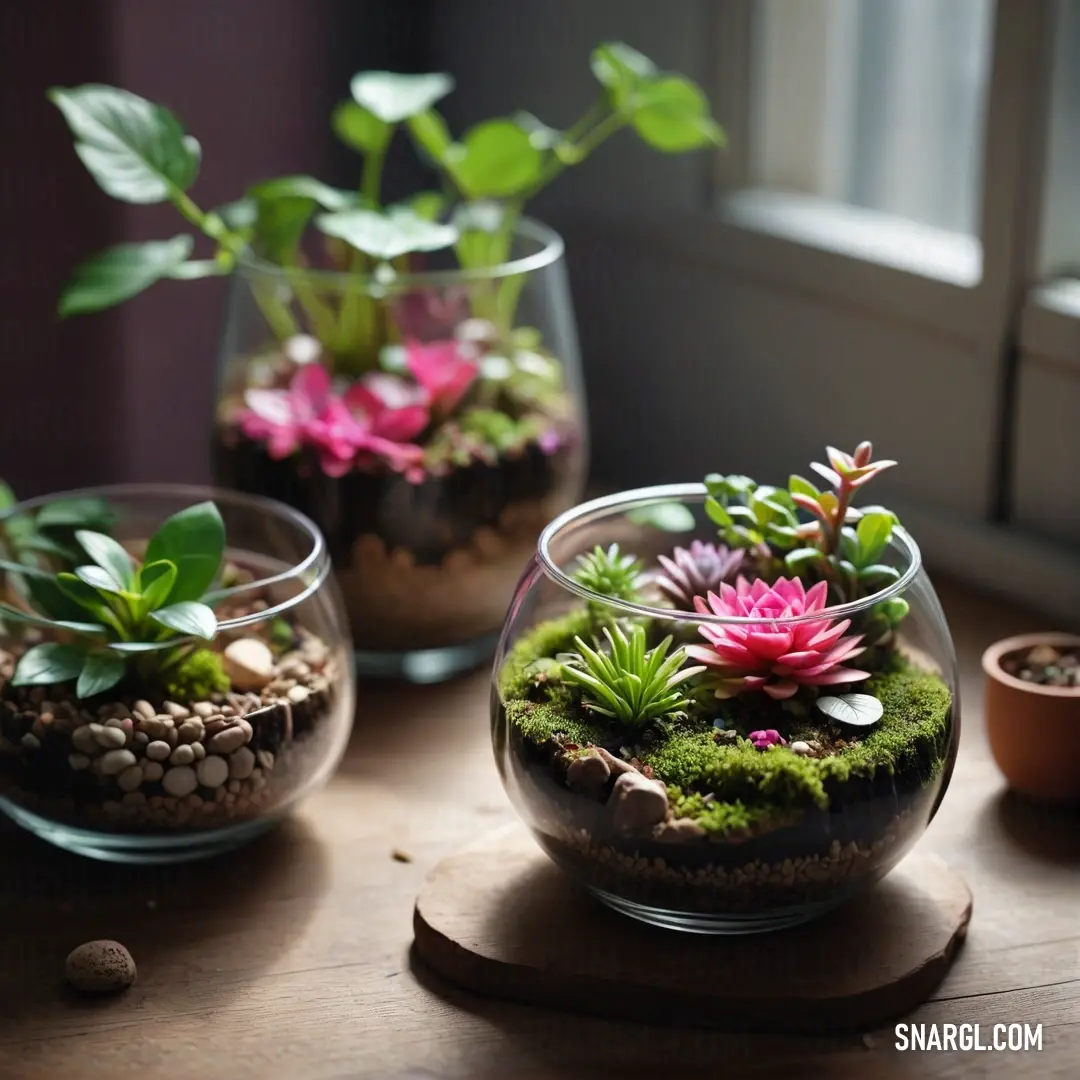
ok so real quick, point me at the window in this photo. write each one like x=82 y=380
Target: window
x=876 y=103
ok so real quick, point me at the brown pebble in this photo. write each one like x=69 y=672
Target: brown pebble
x=400 y=856
x=100 y=967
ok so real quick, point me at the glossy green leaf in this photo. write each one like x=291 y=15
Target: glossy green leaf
x=386 y=236
x=360 y=128
x=493 y=160
x=302 y=187
x=83 y=513
x=121 y=272
x=393 y=97
x=880 y=574
x=717 y=512
x=429 y=205
x=199 y=268
x=98 y=578
x=7 y=496
x=874 y=531
x=53 y=597
x=856 y=710
x=78 y=627
x=238 y=215
x=189 y=618
x=136 y=151
x=669 y=516
x=801 y=559
x=430 y=133
x=284 y=207
x=676 y=117
x=620 y=70
x=101 y=671
x=85 y=594
x=108 y=554
x=541 y=135
x=156 y=581
x=48 y=664
x=194 y=541
x=799 y=485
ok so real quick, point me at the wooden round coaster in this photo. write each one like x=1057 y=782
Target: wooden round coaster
x=500 y=919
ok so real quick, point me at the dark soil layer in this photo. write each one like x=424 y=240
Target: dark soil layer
x=429 y=519
x=769 y=828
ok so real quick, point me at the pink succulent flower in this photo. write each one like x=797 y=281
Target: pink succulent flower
x=762 y=740
x=443 y=370
x=770 y=655
x=377 y=416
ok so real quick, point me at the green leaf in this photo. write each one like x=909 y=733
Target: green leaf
x=194 y=541
x=101 y=671
x=81 y=513
x=857 y=710
x=879 y=572
x=16 y=615
x=494 y=159
x=429 y=205
x=136 y=151
x=801 y=559
x=386 y=236
x=393 y=97
x=359 y=128
x=109 y=555
x=156 y=581
x=717 y=512
x=85 y=595
x=52 y=597
x=302 y=187
x=188 y=617
x=670 y=517
x=541 y=135
x=199 y=268
x=430 y=133
x=799 y=485
x=874 y=532
x=7 y=496
x=238 y=215
x=48 y=664
x=676 y=117
x=620 y=70
x=120 y=273
x=99 y=579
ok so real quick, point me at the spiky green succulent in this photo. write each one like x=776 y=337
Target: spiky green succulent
x=610 y=573
x=630 y=684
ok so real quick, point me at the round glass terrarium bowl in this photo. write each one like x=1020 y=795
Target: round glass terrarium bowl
x=731 y=836
x=427 y=541
x=186 y=778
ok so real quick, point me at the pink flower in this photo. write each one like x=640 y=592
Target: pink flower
x=279 y=417
x=442 y=370
x=762 y=740
x=377 y=416
x=770 y=655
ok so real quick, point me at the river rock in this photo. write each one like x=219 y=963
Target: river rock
x=100 y=967
x=588 y=774
x=637 y=804
x=249 y=663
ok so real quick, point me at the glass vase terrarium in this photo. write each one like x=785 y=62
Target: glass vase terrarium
x=174 y=669
x=405 y=371
x=731 y=734
x=430 y=424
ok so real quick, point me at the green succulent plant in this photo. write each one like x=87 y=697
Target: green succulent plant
x=118 y=614
x=631 y=684
x=610 y=573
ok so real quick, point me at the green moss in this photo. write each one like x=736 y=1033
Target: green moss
x=721 y=818
x=525 y=659
x=197 y=677
x=540 y=722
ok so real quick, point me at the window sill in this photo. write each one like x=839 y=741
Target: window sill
x=858 y=233
x=1050 y=324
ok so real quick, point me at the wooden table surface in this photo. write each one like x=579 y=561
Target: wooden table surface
x=291 y=959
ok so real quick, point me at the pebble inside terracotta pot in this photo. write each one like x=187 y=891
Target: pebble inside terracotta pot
x=1033 y=713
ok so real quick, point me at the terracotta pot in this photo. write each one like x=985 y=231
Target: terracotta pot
x=1034 y=731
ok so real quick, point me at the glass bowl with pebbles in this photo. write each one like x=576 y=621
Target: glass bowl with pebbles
x=710 y=736
x=174 y=669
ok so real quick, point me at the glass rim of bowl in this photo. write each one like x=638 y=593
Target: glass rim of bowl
x=312 y=570
x=596 y=510
x=552 y=246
